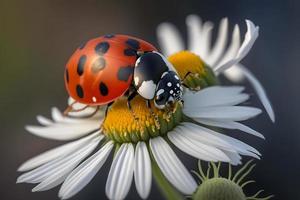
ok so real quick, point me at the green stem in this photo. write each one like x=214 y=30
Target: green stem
x=167 y=189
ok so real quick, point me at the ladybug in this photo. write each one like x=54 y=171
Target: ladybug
x=108 y=67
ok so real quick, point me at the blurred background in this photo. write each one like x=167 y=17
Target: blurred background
x=38 y=36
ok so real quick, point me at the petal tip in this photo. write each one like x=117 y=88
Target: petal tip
x=193 y=20
x=272 y=116
x=30 y=128
x=164 y=26
x=34 y=189
x=21 y=168
x=19 y=180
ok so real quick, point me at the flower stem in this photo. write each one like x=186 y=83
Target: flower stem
x=167 y=189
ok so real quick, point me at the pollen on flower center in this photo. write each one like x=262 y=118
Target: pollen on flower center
x=140 y=123
x=193 y=71
x=186 y=61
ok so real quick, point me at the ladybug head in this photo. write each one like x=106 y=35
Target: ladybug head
x=168 y=90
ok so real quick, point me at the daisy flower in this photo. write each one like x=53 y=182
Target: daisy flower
x=143 y=144
x=139 y=144
x=216 y=56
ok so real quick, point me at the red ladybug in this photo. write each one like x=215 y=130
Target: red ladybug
x=107 y=67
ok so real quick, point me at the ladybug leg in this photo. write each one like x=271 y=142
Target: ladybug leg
x=107 y=108
x=90 y=115
x=129 y=99
x=67 y=110
x=106 y=111
x=186 y=75
x=148 y=103
x=185 y=85
x=168 y=113
x=182 y=102
x=70 y=109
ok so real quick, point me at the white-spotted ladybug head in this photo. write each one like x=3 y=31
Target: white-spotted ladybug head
x=168 y=90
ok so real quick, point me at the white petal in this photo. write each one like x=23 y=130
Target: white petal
x=233 y=48
x=196 y=148
x=169 y=39
x=204 y=47
x=203 y=135
x=231 y=113
x=223 y=101
x=43 y=120
x=57 y=176
x=171 y=166
x=56 y=152
x=250 y=37
x=85 y=172
x=260 y=91
x=45 y=171
x=214 y=96
x=234 y=74
x=121 y=173
x=216 y=91
x=235 y=158
x=230 y=125
x=58 y=117
x=65 y=131
x=194 y=30
x=142 y=170
x=239 y=146
x=234 y=144
x=220 y=44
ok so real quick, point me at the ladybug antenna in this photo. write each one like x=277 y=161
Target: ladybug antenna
x=139 y=53
x=70 y=109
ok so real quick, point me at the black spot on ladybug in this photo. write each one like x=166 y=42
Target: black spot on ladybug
x=124 y=73
x=130 y=52
x=102 y=47
x=98 y=65
x=82 y=45
x=79 y=91
x=80 y=65
x=109 y=36
x=133 y=43
x=103 y=89
x=67 y=75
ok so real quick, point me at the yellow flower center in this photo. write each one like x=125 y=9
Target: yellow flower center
x=140 y=123
x=193 y=71
x=186 y=61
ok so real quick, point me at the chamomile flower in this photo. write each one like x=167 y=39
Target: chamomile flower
x=139 y=144
x=142 y=135
x=217 y=57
